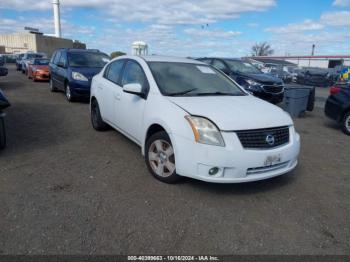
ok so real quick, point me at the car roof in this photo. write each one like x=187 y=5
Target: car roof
x=223 y=58
x=174 y=59
x=77 y=50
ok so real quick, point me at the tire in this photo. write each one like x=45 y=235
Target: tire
x=52 y=86
x=2 y=134
x=68 y=94
x=311 y=101
x=346 y=123
x=96 y=119
x=160 y=158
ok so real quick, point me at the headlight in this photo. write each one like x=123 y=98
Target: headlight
x=205 y=132
x=79 y=76
x=252 y=82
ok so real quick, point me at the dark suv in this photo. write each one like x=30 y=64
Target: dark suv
x=71 y=70
x=338 y=106
x=262 y=85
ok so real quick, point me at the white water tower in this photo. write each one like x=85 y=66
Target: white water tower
x=139 y=48
x=57 y=19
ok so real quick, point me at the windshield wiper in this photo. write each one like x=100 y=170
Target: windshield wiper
x=214 y=93
x=182 y=92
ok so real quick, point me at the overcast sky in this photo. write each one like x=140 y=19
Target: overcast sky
x=192 y=27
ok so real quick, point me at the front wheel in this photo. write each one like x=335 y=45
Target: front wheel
x=346 y=124
x=68 y=93
x=96 y=119
x=160 y=158
x=2 y=134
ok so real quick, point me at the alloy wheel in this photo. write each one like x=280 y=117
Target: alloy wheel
x=161 y=158
x=347 y=123
x=68 y=93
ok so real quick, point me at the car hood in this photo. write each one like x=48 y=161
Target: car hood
x=232 y=113
x=88 y=72
x=41 y=67
x=264 y=78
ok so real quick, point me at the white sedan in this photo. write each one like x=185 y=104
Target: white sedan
x=192 y=120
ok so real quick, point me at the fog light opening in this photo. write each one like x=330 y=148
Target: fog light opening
x=213 y=171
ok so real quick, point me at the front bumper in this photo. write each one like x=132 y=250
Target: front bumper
x=80 y=88
x=41 y=76
x=235 y=164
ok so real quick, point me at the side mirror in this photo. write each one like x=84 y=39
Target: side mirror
x=133 y=88
x=60 y=64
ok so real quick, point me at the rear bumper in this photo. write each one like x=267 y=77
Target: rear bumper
x=333 y=110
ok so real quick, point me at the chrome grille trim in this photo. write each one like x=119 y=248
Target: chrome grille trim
x=265 y=169
x=272 y=89
x=256 y=139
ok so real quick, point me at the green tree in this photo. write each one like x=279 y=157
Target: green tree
x=116 y=54
x=262 y=49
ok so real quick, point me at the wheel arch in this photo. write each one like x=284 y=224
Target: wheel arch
x=345 y=111
x=151 y=130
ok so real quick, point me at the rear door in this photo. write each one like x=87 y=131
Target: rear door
x=110 y=91
x=53 y=67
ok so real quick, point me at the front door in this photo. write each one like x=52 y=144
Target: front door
x=131 y=109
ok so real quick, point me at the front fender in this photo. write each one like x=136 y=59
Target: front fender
x=170 y=117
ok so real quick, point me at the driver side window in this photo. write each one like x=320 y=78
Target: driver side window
x=133 y=73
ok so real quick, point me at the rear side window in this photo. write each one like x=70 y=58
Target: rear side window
x=133 y=73
x=207 y=61
x=219 y=65
x=114 y=71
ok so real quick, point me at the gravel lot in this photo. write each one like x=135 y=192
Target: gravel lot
x=67 y=189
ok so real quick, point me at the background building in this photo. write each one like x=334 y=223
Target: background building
x=36 y=42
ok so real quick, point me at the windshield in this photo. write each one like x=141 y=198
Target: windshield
x=41 y=61
x=242 y=67
x=88 y=59
x=179 y=79
x=31 y=56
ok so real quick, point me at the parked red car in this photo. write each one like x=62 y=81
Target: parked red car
x=38 y=69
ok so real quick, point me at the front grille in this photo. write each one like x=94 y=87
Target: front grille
x=266 y=169
x=264 y=138
x=273 y=89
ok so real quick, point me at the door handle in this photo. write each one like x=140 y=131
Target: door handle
x=117 y=96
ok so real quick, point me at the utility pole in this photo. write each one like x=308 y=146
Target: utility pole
x=312 y=53
x=57 y=19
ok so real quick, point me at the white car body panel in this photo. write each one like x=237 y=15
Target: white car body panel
x=133 y=116
x=218 y=108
